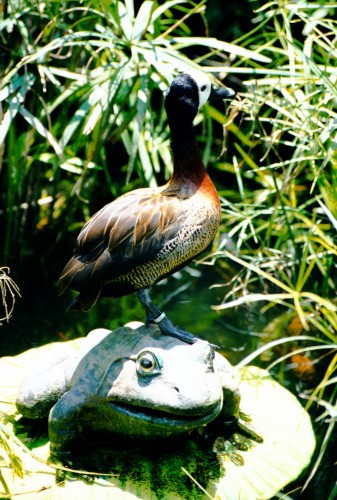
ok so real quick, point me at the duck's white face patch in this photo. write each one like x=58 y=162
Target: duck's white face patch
x=204 y=85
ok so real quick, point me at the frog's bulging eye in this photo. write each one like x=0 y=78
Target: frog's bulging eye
x=147 y=363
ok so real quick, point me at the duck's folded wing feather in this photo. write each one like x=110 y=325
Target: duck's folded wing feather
x=125 y=233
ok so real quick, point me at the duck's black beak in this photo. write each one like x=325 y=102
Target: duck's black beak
x=220 y=93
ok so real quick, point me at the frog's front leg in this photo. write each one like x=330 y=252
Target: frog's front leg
x=240 y=434
x=63 y=425
x=230 y=389
x=232 y=424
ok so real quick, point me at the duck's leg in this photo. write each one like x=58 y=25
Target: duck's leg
x=154 y=315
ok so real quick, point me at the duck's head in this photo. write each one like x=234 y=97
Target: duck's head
x=189 y=91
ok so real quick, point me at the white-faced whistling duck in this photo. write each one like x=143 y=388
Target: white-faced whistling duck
x=148 y=234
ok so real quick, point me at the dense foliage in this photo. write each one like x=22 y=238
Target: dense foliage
x=82 y=121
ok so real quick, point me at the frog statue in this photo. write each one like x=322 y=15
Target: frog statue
x=134 y=384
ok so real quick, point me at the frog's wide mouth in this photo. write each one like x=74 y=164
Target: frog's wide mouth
x=164 y=418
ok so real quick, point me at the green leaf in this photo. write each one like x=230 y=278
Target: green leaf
x=79 y=116
x=22 y=85
x=41 y=129
x=130 y=9
x=142 y=102
x=173 y=60
x=142 y=20
x=165 y=7
x=101 y=97
x=213 y=43
x=76 y=165
x=126 y=16
x=67 y=74
x=146 y=162
x=8 y=117
x=280 y=420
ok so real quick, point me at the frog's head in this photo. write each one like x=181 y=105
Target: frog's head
x=167 y=391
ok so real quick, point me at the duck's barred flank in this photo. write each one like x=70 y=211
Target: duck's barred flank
x=192 y=240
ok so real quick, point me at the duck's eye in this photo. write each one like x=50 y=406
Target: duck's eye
x=147 y=363
x=203 y=88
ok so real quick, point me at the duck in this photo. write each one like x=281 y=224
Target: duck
x=150 y=233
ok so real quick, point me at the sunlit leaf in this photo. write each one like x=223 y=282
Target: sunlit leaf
x=213 y=43
x=41 y=129
x=101 y=97
x=77 y=119
x=143 y=19
x=165 y=7
x=14 y=105
x=146 y=162
x=126 y=17
x=142 y=102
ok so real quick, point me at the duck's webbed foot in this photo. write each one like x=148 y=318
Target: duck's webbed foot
x=154 y=315
x=167 y=327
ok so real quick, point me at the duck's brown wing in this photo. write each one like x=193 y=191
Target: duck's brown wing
x=122 y=235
